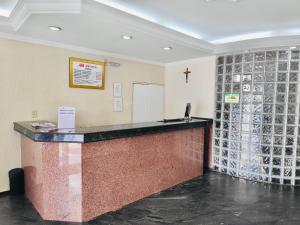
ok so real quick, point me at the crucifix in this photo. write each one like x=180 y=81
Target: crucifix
x=187 y=72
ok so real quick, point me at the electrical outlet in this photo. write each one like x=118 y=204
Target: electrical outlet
x=34 y=114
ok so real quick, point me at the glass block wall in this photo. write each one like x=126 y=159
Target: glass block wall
x=256 y=137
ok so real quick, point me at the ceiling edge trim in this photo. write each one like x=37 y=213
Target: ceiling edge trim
x=103 y=54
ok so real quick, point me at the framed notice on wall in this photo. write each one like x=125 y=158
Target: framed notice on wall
x=86 y=73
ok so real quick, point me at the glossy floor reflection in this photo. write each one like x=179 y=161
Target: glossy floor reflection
x=214 y=199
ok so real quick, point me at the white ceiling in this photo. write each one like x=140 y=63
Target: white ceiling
x=193 y=28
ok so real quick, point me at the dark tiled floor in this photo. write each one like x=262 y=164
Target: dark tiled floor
x=211 y=200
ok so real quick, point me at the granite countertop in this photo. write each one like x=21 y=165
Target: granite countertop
x=102 y=133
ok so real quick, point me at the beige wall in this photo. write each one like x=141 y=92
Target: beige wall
x=199 y=90
x=35 y=77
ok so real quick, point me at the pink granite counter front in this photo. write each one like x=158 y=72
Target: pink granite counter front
x=78 y=182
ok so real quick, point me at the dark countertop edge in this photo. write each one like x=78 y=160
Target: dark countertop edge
x=108 y=135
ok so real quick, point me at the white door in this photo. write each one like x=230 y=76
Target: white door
x=148 y=103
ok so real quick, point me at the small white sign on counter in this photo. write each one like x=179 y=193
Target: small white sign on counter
x=66 y=117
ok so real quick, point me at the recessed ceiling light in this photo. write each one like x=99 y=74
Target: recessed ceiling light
x=293 y=47
x=127 y=37
x=167 y=48
x=55 y=28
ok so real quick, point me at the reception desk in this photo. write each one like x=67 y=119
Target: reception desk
x=77 y=175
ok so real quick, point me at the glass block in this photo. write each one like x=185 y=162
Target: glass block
x=233 y=164
x=225 y=134
x=246 y=88
x=247 y=78
x=267 y=118
x=234 y=145
x=256 y=128
x=283 y=55
x=270 y=76
x=259 y=56
x=228 y=78
x=217 y=142
x=228 y=69
x=289 y=141
x=266 y=160
x=236 y=88
x=226 y=107
x=268 y=98
x=248 y=57
x=246 y=118
x=290 y=130
x=246 y=108
x=267 y=129
x=277 y=161
x=218 y=115
x=294 y=66
x=227 y=88
x=220 y=70
x=265 y=150
x=236 y=78
x=278 y=129
x=287 y=173
x=219 y=97
x=235 y=117
x=245 y=127
x=218 y=106
x=278 y=140
x=292 y=98
x=257 y=108
x=279 y=108
x=271 y=55
x=259 y=67
x=247 y=98
x=224 y=163
x=281 y=88
x=229 y=59
x=225 y=144
x=280 y=98
x=294 y=77
x=238 y=58
x=265 y=170
x=295 y=55
x=255 y=148
x=293 y=87
x=291 y=119
x=277 y=151
x=289 y=151
x=218 y=124
x=248 y=67
x=269 y=88
x=266 y=139
x=235 y=108
x=256 y=118
x=233 y=173
x=220 y=79
x=216 y=160
x=258 y=77
x=276 y=171
x=279 y=119
x=257 y=98
x=268 y=108
x=281 y=77
x=217 y=133
x=270 y=66
x=226 y=116
x=258 y=87
x=220 y=60
x=234 y=136
x=225 y=125
x=238 y=68
x=245 y=138
x=282 y=66
x=275 y=181
x=288 y=162
x=219 y=88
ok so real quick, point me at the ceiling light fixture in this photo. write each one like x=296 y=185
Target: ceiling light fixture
x=55 y=28
x=167 y=48
x=127 y=37
x=293 y=47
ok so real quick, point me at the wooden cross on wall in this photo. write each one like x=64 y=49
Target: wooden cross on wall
x=187 y=72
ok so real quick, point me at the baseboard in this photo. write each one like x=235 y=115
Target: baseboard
x=4 y=193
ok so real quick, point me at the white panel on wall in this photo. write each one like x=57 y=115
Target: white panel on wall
x=148 y=103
